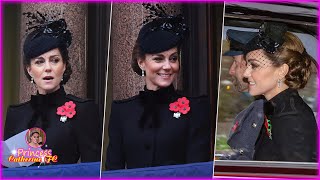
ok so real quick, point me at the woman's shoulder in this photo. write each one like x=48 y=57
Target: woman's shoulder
x=199 y=98
x=293 y=109
x=199 y=103
x=78 y=99
x=82 y=104
x=294 y=103
x=196 y=98
x=19 y=106
x=129 y=100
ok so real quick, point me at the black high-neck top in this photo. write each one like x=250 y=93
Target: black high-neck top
x=78 y=137
x=42 y=103
x=143 y=131
x=152 y=101
x=294 y=130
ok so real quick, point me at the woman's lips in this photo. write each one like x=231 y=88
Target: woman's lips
x=251 y=84
x=164 y=75
x=48 y=78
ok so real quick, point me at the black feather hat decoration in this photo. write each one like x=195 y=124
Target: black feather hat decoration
x=161 y=30
x=271 y=36
x=45 y=32
x=48 y=25
x=163 y=20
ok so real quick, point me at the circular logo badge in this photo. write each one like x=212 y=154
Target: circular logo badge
x=35 y=137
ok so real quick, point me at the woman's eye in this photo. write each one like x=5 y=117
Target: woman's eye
x=174 y=58
x=157 y=59
x=38 y=62
x=55 y=60
x=254 y=66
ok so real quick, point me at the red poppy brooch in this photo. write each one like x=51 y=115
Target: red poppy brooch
x=235 y=126
x=181 y=106
x=68 y=110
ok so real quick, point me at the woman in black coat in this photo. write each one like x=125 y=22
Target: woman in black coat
x=277 y=66
x=72 y=125
x=158 y=126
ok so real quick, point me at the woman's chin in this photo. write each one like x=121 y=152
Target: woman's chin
x=164 y=85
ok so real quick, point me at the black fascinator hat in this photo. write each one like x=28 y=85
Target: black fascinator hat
x=46 y=34
x=269 y=38
x=161 y=31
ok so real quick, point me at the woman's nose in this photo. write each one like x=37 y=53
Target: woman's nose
x=47 y=66
x=247 y=72
x=166 y=65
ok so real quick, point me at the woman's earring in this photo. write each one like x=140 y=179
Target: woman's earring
x=142 y=73
x=279 y=83
x=32 y=81
x=61 y=79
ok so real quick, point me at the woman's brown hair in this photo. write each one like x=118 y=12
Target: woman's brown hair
x=293 y=53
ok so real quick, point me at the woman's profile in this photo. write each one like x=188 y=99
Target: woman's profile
x=277 y=66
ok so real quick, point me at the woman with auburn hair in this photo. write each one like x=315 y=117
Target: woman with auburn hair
x=277 y=66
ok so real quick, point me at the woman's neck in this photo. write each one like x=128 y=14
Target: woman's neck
x=148 y=88
x=34 y=144
x=152 y=88
x=272 y=93
x=44 y=92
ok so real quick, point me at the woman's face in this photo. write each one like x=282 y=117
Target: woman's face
x=262 y=75
x=35 y=138
x=47 y=71
x=160 y=69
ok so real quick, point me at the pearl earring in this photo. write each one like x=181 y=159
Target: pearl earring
x=142 y=73
x=279 y=83
x=32 y=81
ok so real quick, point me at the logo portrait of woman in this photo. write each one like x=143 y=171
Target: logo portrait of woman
x=35 y=137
